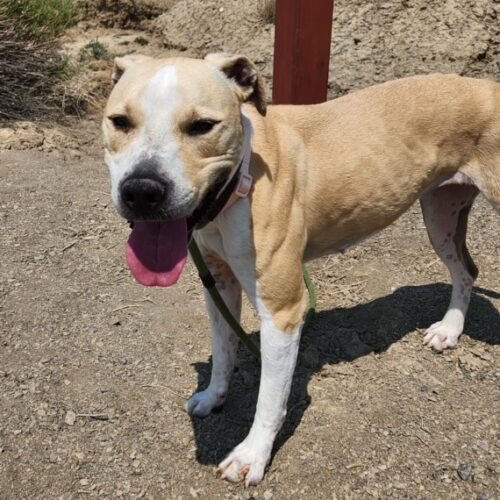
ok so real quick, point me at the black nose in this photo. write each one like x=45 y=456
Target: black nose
x=142 y=195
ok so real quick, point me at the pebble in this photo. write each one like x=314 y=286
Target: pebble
x=465 y=471
x=70 y=417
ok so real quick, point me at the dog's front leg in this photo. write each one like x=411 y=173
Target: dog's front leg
x=224 y=341
x=279 y=354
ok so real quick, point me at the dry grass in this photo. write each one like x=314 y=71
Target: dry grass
x=29 y=71
x=33 y=76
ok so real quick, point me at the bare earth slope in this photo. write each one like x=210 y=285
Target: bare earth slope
x=372 y=41
x=95 y=369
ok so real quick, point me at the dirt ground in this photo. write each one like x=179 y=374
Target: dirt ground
x=95 y=369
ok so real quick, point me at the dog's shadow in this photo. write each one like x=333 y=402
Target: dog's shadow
x=341 y=334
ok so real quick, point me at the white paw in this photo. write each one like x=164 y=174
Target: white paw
x=202 y=403
x=440 y=336
x=245 y=462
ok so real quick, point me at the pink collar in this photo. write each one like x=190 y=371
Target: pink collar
x=246 y=180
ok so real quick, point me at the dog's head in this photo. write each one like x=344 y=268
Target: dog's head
x=173 y=132
x=172 y=128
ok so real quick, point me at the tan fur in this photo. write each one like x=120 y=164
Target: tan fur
x=329 y=175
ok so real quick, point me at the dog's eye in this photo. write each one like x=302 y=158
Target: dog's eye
x=121 y=122
x=200 y=127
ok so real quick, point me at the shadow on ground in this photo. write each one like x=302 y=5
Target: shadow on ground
x=334 y=336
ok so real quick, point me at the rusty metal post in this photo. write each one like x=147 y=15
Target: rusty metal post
x=302 y=51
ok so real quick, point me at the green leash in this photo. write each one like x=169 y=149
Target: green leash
x=209 y=283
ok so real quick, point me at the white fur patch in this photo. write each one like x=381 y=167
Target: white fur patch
x=457 y=178
x=279 y=355
x=224 y=347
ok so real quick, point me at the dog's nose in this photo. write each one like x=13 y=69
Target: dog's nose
x=142 y=195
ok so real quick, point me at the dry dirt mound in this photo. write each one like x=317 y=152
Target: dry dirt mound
x=372 y=41
x=27 y=135
x=124 y=13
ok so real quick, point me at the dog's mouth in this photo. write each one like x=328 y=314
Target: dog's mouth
x=157 y=249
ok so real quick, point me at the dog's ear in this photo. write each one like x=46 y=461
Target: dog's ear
x=120 y=64
x=244 y=73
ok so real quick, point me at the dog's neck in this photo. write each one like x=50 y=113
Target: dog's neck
x=237 y=185
x=245 y=179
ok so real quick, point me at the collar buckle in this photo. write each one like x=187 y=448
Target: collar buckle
x=244 y=185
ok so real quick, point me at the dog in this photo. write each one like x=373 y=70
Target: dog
x=311 y=180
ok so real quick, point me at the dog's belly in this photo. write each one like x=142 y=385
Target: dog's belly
x=360 y=221
x=315 y=251
x=328 y=243
x=350 y=224
x=371 y=194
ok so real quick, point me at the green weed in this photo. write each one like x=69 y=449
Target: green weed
x=41 y=19
x=94 y=50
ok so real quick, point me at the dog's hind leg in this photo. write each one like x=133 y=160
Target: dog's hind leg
x=446 y=210
x=224 y=341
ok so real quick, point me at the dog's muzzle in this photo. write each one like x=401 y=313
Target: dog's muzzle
x=144 y=196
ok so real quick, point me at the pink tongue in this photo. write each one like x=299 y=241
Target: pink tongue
x=157 y=251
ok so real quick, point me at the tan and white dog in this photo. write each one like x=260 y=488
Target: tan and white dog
x=324 y=177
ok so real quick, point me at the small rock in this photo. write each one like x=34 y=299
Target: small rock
x=470 y=363
x=268 y=494
x=482 y=496
x=465 y=471
x=482 y=355
x=84 y=481
x=70 y=417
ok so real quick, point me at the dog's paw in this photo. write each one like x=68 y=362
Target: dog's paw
x=245 y=463
x=441 y=336
x=202 y=403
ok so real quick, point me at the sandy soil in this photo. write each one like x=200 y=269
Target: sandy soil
x=95 y=370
